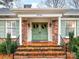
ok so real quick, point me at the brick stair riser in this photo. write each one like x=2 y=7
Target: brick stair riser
x=39 y=50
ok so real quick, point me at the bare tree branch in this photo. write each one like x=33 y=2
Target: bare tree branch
x=74 y=4
x=6 y=3
x=54 y=3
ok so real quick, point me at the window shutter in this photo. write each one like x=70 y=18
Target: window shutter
x=63 y=28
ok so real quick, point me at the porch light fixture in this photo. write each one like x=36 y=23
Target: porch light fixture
x=50 y=24
x=28 y=24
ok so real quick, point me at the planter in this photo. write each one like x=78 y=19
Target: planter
x=4 y=56
x=1 y=56
x=70 y=56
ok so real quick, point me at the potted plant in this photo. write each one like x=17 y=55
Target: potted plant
x=8 y=47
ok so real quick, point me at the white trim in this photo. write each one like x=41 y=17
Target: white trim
x=6 y=28
x=39 y=15
x=29 y=33
x=69 y=18
x=9 y=18
x=75 y=29
x=49 y=31
x=59 y=30
x=74 y=14
x=20 y=30
x=8 y=14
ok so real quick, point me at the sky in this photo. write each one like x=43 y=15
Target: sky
x=33 y=2
x=20 y=3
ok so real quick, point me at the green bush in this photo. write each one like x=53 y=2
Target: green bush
x=8 y=46
x=74 y=44
x=3 y=48
x=13 y=47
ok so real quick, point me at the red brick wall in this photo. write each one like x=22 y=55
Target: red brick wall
x=55 y=30
x=24 y=30
x=3 y=39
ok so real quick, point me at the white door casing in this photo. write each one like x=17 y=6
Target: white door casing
x=29 y=34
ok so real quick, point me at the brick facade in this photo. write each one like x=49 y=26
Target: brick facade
x=24 y=30
x=3 y=39
x=55 y=30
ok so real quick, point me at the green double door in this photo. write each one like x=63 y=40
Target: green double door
x=39 y=32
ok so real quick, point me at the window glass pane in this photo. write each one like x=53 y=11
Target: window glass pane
x=15 y=28
x=9 y=30
x=9 y=24
x=67 y=26
x=70 y=27
x=2 y=29
x=63 y=28
x=13 y=24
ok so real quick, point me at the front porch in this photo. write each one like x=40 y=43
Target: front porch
x=40 y=33
x=27 y=35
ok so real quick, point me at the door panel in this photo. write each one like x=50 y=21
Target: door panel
x=39 y=32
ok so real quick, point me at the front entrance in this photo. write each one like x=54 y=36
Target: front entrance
x=39 y=32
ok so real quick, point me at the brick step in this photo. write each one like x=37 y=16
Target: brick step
x=41 y=53
x=22 y=46
x=39 y=57
x=40 y=44
x=28 y=55
x=38 y=48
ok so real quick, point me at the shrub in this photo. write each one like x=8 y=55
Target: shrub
x=74 y=44
x=8 y=46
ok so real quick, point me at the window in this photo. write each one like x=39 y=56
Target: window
x=2 y=29
x=11 y=27
x=68 y=26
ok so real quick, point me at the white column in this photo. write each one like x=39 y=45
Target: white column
x=49 y=30
x=29 y=33
x=20 y=30
x=59 y=30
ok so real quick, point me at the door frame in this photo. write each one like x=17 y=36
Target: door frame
x=29 y=34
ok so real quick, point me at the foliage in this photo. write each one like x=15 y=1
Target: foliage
x=5 y=3
x=73 y=44
x=8 y=47
x=3 y=48
x=71 y=40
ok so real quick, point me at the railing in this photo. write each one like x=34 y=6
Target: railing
x=64 y=46
x=17 y=40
